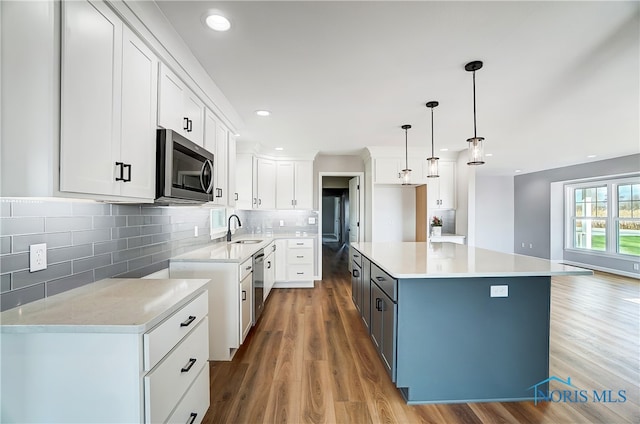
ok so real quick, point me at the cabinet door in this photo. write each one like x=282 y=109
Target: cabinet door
x=139 y=108
x=285 y=174
x=170 y=102
x=303 y=180
x=221 y=190
x=90 y=98
x=433 y=193
x=356 y=274
x=387 y=171
x=447 y=179
x=388 y=348
x=245 y=198
x=269 y=273
x=418 y=166
x=193 y=110
x=246 y=293
x=376 y=315
x=281 y=260
x=365 y=291
x=266 y=184
x=232 y=194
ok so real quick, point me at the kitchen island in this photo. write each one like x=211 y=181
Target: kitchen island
x=454 y=323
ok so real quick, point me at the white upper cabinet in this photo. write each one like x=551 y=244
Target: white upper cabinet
x=285 y=175
x=442 y=190
x=294 y=185
x=266 y=184
x=303 y=185
x=216 y=140
x=232 y=195
x=179 y=109
x=388 y=170
x=244 y=181
x=108 y=106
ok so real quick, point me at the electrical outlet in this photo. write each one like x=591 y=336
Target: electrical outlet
x=523 y=244
x=530 y=245
x=312 y=221
x=282 y=223
x=37 y=257
x=636 y=267
x=195 y=231
x=499 y=291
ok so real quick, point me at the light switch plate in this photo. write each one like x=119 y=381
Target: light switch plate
x=499 y=291
x=37 y=257
x=312 y=220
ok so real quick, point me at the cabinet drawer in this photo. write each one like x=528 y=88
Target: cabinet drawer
x=195 y=402
x=300 y=272
x=300 y=243
x=388 y=284
x=168 y=382
x=163 y=337
x=245 y=268
x=300 y=256
x=355 y=256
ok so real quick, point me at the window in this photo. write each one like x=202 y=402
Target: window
x=604 y=216
x=628 y=219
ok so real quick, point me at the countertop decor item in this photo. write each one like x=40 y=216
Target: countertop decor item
x=406 y=172
x=476 y=144
x=432 y=162
x=436 y=222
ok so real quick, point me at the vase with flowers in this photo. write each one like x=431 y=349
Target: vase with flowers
x=436 y=226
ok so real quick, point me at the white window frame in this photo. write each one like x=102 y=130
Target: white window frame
x=612 y=219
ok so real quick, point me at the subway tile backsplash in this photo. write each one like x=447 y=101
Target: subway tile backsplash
x=89 y=241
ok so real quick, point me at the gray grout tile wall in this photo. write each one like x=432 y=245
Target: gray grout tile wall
x=89 y=241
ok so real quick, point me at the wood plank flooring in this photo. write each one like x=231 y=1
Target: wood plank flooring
x=310 y=360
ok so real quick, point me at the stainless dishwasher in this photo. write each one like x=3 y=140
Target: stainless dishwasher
x=258 y=284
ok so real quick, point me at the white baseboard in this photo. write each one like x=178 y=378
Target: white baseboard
x=600 y=268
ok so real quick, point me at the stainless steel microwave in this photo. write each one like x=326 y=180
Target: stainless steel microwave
x=184 y=170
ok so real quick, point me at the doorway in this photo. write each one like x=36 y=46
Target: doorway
x=341 y=214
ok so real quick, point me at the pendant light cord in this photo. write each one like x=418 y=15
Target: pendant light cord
x=406 y=153
x=432 y=155
x=475 y=135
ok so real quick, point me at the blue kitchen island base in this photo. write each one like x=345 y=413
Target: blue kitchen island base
x=456 y=343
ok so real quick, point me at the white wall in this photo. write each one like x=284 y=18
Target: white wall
x=334 y=163
x=494 y=213
x=394 y=217
x=466 y=199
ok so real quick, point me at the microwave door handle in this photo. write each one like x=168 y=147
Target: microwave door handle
x=209 y=188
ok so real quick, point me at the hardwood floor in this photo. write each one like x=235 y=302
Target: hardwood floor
x=310 y=360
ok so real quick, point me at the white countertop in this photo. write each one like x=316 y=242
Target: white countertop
x=449 y=260
x=234 y=252
x=116 y=305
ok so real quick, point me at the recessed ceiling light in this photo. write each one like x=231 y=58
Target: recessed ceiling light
x=591 y=156
x=279 y=148
x=518 y=170
x=488 y=154
x=263 y=113
x=444 y=149
x=217 y=22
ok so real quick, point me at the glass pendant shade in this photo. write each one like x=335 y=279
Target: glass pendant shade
x=432 y=168
x=476 y=151
x=406 y=176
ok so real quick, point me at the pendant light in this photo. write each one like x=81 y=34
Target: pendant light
x=406 y=172
x=476 y=144
x=432 y=162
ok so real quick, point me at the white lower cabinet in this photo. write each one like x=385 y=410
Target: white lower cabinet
x=112 y=372
x=230 y=301
x=269 y=269
x=296 y=262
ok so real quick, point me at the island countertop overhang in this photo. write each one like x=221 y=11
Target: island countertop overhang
x=404 y=260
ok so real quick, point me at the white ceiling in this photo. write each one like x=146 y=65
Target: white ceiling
x=561 y=80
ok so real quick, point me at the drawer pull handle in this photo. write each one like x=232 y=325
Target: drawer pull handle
x=192 y=418
x=187 y=367
x=356 y=273
x=300 y=273
x=244 y=295
x=380 y=278
x=300 y=244
x=299 y=256
x=188 y=321
x=356 y=256
x=248 y=268
x=378 y=302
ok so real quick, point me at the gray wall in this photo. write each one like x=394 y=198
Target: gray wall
x=88 y=241
x=334 y=163
x=532 y=199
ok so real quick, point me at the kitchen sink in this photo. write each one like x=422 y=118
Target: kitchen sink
x=247 y=241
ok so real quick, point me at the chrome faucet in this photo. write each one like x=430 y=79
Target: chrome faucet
x=229 y=226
